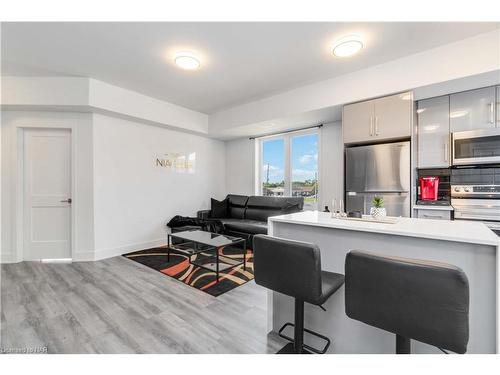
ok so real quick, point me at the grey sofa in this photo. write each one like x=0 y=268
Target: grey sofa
x=247 y=215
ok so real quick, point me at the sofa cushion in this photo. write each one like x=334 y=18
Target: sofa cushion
x=236 y=206
x=218 y=208
x=260 y=208
x=261 y=214
x=237 y=200
x=245 y=226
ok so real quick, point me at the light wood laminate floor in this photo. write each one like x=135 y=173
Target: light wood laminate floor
x=119 y=306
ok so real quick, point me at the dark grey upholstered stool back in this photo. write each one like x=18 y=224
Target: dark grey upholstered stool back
x=415 y=299
x=294 y=268
x=289 y=267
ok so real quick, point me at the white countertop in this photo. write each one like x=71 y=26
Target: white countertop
x=447 y=230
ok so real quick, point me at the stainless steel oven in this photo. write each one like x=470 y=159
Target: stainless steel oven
x=475 y=194
x=476 y=147
x=486 y=210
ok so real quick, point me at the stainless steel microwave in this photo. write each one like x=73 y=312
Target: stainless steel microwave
x=476 y=147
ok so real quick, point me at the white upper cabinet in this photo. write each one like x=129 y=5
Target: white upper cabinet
x=379 y=119
x=358 y=121
x=433 y=130
x=473 y=110
x=393 y=116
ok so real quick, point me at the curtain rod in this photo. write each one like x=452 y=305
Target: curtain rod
x=288 y=131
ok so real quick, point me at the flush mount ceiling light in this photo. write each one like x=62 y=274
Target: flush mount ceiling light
x=186 y=60
x=347 y=46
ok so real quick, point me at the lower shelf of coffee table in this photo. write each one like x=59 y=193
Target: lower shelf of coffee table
x=189 y=248
x=210 y=262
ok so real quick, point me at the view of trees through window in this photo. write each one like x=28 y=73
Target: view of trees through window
x=290 y=167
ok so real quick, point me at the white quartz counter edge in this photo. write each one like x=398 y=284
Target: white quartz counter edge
x=476 y=233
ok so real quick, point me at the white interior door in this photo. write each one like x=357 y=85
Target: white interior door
x=47 y=194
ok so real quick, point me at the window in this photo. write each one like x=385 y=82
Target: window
x=289 y=166
x=273 y=167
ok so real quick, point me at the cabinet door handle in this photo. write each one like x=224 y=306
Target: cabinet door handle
x=376 y=125
x=432 y=216
x=492 y=113
x=446 y=151
x=498 y=113
x=371 y=126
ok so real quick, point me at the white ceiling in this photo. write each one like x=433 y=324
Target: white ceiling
x=241 y=62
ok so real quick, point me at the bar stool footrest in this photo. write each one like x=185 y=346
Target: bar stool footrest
x=305 y=346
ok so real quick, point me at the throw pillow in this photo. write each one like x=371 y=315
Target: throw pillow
x=218 y=208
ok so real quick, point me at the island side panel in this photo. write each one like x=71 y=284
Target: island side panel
x=349 y=336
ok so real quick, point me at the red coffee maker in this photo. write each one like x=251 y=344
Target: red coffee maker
x=429 y=187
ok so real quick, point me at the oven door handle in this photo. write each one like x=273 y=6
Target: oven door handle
x=475 y=215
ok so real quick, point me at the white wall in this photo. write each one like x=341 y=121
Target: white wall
x=126 y=102
x=122 y=200
x=133 y=197
x=240 y=168
x=13 y=123
x=331 y=164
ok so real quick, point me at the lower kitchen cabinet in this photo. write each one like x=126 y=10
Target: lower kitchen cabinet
x=433 y=214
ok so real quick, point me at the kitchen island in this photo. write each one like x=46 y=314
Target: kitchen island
x=468 y=245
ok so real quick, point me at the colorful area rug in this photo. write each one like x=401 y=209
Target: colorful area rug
x=199 y=278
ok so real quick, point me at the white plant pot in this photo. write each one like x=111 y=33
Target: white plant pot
x=378 y=213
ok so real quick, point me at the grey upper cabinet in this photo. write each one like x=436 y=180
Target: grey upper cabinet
x=473 y=110
x=433 y=131
x=357 y=121
x=379 y=119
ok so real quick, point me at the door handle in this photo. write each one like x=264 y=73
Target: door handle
x=376 y=125
x=446 y=151
x=67 y=201
x=498 y=113
x=492 y=113
x=371 y=126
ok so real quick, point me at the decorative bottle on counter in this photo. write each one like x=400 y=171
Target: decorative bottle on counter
x=334 y=208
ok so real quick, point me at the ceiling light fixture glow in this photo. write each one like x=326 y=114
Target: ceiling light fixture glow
x=347 y=46
x=186 y=60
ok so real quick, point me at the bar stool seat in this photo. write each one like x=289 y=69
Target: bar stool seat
x=330 y=283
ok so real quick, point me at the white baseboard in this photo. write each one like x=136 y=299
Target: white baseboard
x=99 y=254
x=7 y=258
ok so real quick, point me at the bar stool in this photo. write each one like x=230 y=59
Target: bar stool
x=294 y=268
x=414 y=299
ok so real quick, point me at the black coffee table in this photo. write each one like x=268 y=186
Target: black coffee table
x=206 y=246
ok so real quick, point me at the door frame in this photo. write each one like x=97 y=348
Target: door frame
x=20 y=188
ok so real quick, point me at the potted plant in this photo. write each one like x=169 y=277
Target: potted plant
x=378 y=211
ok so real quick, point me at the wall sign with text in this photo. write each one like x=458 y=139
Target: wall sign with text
x=177 y=162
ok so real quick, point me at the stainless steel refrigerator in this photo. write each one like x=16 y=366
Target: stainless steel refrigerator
x=379 y=170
